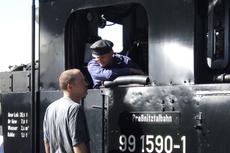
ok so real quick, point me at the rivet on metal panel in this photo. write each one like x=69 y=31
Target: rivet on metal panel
x=106 y=92
x=72 y=10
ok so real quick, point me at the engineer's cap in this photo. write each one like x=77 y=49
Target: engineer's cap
x=101 y=47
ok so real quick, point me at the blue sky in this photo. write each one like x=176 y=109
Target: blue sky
x=15 y=32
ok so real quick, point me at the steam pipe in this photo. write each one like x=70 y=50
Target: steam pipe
x=125 y=80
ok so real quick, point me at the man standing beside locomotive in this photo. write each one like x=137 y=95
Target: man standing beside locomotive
x=64 y=122
x=107 y=66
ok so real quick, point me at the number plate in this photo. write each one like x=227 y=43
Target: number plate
x=151 y=144
x=146 y=132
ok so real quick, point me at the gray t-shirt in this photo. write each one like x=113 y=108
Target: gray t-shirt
x=64 y=125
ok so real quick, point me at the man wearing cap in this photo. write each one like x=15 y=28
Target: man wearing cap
x=107 y=66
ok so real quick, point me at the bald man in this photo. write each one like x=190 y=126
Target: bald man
x=64 y=122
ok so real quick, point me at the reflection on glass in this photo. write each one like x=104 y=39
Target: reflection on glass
x=218 y=23
x=218 y=34
x=216 y=26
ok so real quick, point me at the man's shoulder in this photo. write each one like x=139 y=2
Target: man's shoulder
x=93 y=62
x=53 y=104
x=63 y=105
x=68 y=102
x=63 y=102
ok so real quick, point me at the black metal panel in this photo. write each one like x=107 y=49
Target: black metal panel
x=5 y=83
x=200 y=118
x=93 y=112
x=17 y=81
x=214 y=128
x=21 y=81
x=171 y=41
x=16 y=121
x=127 y=108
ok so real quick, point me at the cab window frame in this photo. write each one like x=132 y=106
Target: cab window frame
x=82 y=27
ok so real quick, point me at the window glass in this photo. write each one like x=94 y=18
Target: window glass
x=113 y=32
x=218 y=25
x=218 y=34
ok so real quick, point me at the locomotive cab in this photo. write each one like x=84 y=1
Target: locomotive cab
x=83 y=26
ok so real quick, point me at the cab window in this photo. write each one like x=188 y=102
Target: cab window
x=126 y=25
x=212 y=63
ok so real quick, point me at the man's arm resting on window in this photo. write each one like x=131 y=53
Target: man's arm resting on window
x=47 y=147
x=109 y=74
x=80 y=148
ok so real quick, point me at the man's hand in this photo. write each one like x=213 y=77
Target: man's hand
x=47 y=147
x=80 y=148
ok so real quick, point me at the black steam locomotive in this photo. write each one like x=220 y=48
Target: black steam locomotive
x=182 y=105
